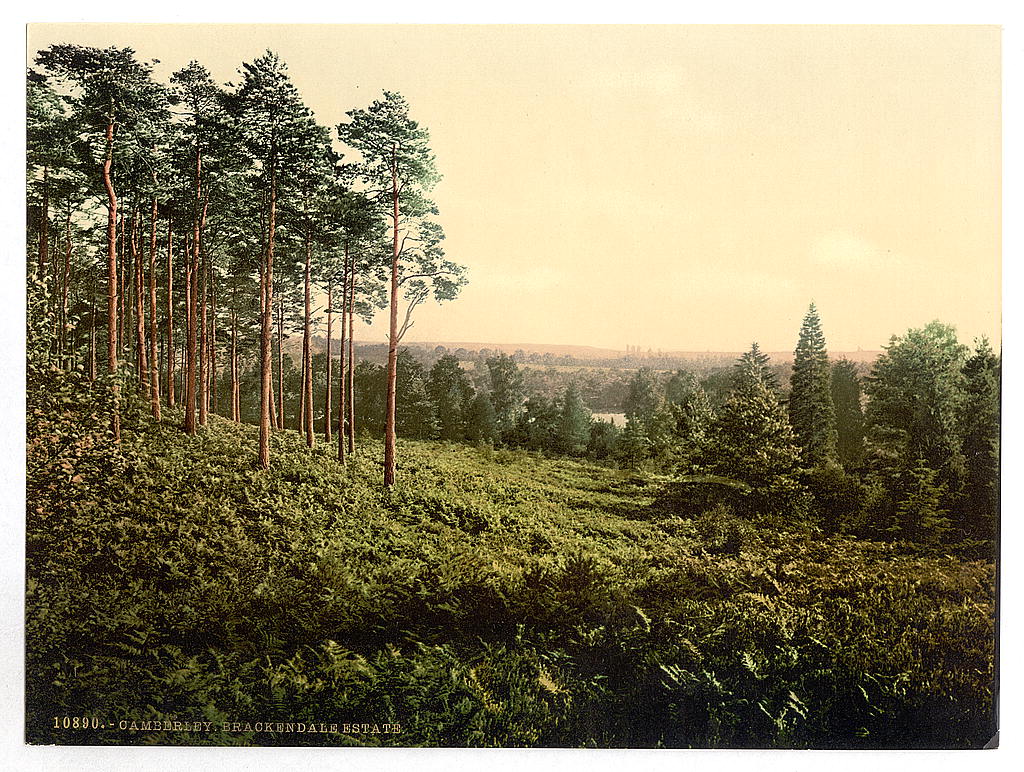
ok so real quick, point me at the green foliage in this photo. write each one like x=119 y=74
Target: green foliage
x=506 y=391
x=604 y=439
x=692 y=411
x=573 y=433
x=413 y=410
x=981 y=442
x=837 y=497
x=752 y=366
x=906 y=503
x=510 y=600
x=481 y=420
x=846 y=398
x=721 y=531
x=752 y=442
x=649 y=421
x=452 y=395
x=915 y=403
x=811 y=410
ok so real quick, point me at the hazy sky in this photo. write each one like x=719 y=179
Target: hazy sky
x=683 y=188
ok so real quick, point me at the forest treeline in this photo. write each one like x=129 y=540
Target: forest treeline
x=908 y=450
x=182 y=230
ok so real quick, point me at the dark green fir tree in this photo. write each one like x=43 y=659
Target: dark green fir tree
x=811 y=410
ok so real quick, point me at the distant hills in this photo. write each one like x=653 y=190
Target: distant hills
x=582 y=353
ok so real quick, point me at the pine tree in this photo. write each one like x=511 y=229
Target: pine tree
x=754 y=363
x=846 y=397
x=916 y=393
x=691 y=409
x=398 y=167
x=751 y=441
x=811 y=410
x=981 y=441
x=649 y=421
x=573 y=422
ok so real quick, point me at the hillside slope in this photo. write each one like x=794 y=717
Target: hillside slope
x=493 y=598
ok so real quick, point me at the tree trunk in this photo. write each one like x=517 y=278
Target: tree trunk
x=213 y=340
x=192 y=300
x=280 y=363
x=44 y=224
x=351 y=400
x=154 y=364
x=65 y=285
x=390 y=433
x=92 y=336
x=300 y=417
x=141 y=357
x=307 y=354
x=204 y=361
x=170 y=314
x=235 y=406
x=122 y=293
x=112 y=280
x=327 y=391
x=341 y=358
x=266 y=384
x=190 y=334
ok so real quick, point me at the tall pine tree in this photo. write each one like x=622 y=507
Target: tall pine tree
x=811 y=410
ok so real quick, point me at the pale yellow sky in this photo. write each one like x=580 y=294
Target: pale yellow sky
x=682 y=188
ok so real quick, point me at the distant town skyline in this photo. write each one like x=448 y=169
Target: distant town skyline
x=683 y=188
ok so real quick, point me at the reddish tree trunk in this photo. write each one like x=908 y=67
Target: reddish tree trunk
x=280 y=363
x=235 y=406
x=204 y=363
x=390 y=433
x=307 y=353
x=351 y=401
x=112 y=297
x=266 y=383
x=141 y=358
x=44 y=224
x=65 y=285
x=154 y=364
x=327 y=392
x=213 y=341
x=92 y=337
x=341 y=385
x=191 y=302
x=170 y=314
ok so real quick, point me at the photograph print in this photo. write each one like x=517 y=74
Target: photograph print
x=513 y=386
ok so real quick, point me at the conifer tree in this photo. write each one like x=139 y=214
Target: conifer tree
x=573 y=422
x=755 y=363
x=811 y=410
x=846 y=398
x=751 y=441
x=916 y=392
x=398 y=172
x=981 y=441
x=690 y=407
